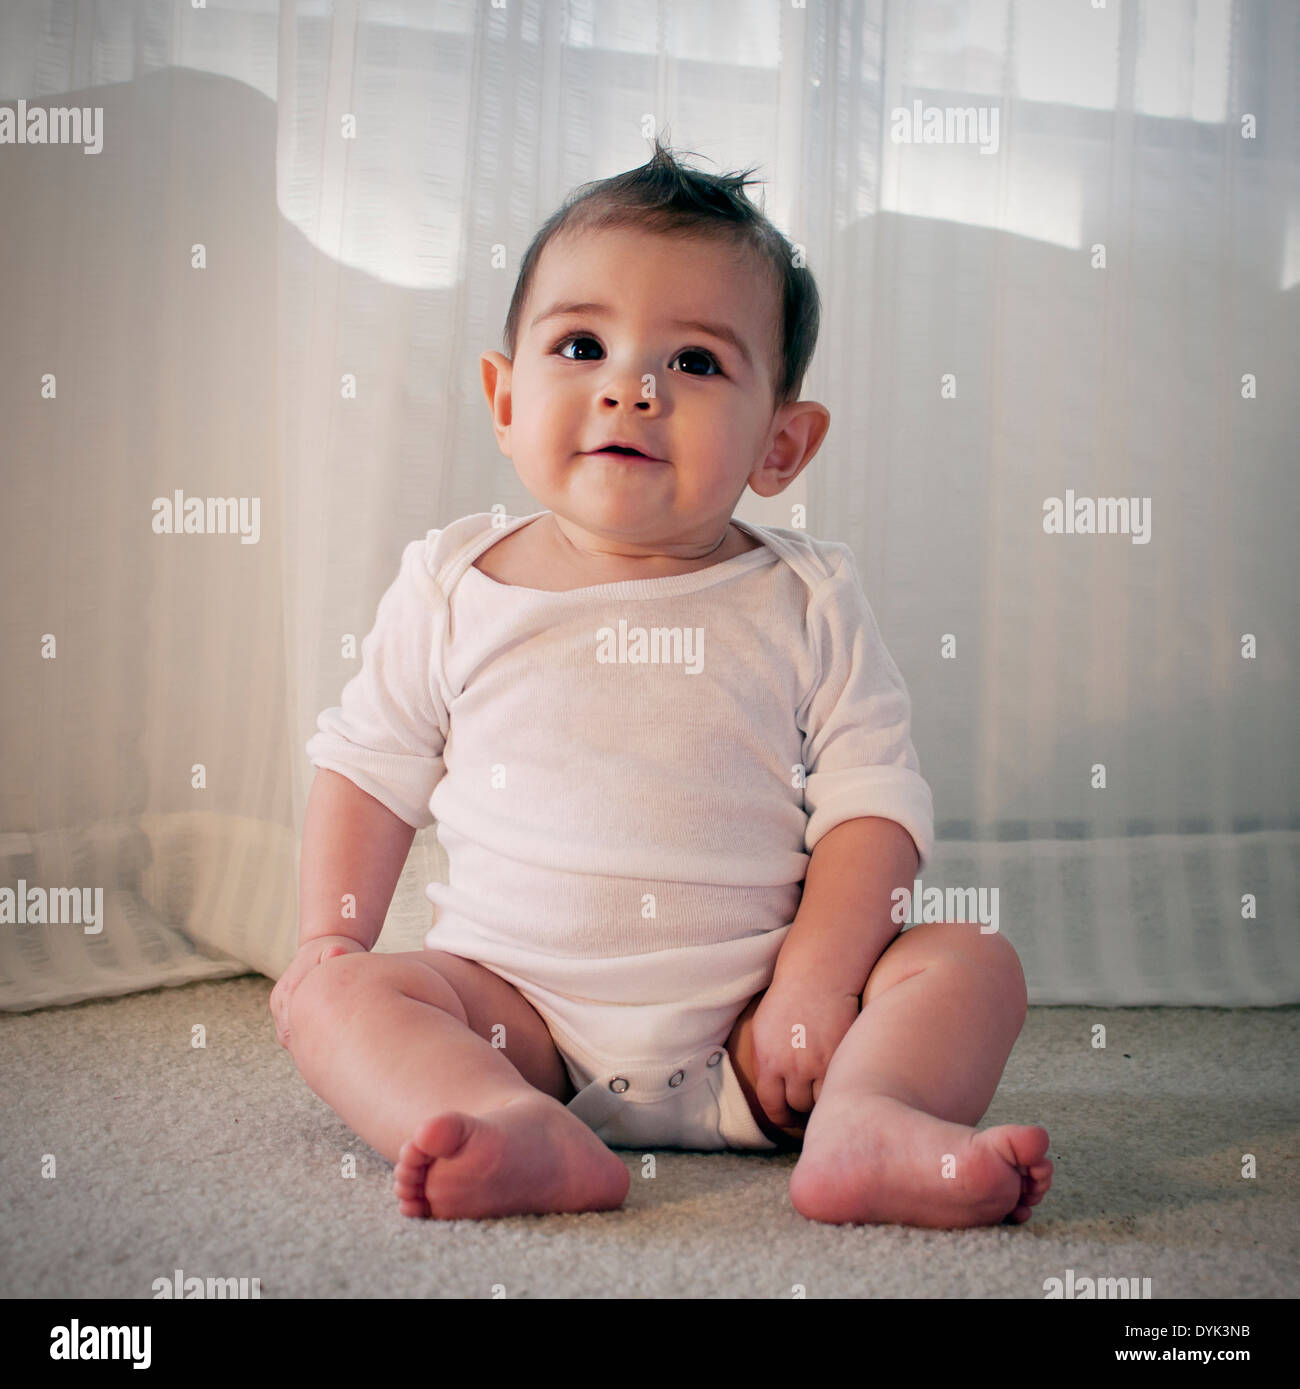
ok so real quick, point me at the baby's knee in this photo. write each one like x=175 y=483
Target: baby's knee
x=339 y=987
x=327 y=988
x=988 y=954
x=1003 y=960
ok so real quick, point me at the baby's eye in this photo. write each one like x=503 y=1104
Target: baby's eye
x=564 y=342
x=702 y=354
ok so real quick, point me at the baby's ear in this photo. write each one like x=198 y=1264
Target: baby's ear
x=496 y=371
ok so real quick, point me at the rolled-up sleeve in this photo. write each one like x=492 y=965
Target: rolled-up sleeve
x=389 y=730
x=858 y=753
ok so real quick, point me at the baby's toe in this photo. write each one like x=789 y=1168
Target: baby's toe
x=406 y=1187
x=410 y=1175
x=412 y=1155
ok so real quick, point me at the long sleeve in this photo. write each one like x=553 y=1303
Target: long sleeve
x=858 y=753
x=388 y=733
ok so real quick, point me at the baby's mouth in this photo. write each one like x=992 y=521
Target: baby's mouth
x=623 y=451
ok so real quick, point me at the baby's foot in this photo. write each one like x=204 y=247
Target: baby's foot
x=874 y=1160
x=530 y=1155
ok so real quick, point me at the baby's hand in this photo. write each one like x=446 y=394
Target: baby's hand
x=308 y=957
x=796 y=1028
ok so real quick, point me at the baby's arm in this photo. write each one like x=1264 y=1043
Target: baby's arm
x=841 y=929
x=845 y=917
x=352 y=847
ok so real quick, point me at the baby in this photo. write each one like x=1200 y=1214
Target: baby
x=669 y=759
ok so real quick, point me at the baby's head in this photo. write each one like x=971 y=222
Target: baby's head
x=660 y=308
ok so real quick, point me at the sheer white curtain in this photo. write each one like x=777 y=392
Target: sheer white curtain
x=1093 y=297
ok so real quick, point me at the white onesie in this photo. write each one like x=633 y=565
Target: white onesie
x=628 y=780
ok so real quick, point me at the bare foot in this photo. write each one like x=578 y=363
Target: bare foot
x=530 y=1155
x=871 y=1159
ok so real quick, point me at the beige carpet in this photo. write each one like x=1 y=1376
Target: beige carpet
x=221 y=1163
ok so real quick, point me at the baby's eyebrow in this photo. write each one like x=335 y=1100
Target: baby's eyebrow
x=718 y=330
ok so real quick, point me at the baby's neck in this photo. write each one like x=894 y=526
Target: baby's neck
x=568 y=558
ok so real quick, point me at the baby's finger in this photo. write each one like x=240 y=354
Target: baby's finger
x=799 y=1094
x=770 y=1089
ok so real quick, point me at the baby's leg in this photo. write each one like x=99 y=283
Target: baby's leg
x=396 y=1045
x=891 y=1137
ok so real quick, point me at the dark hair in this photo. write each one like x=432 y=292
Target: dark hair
x=671 y=199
